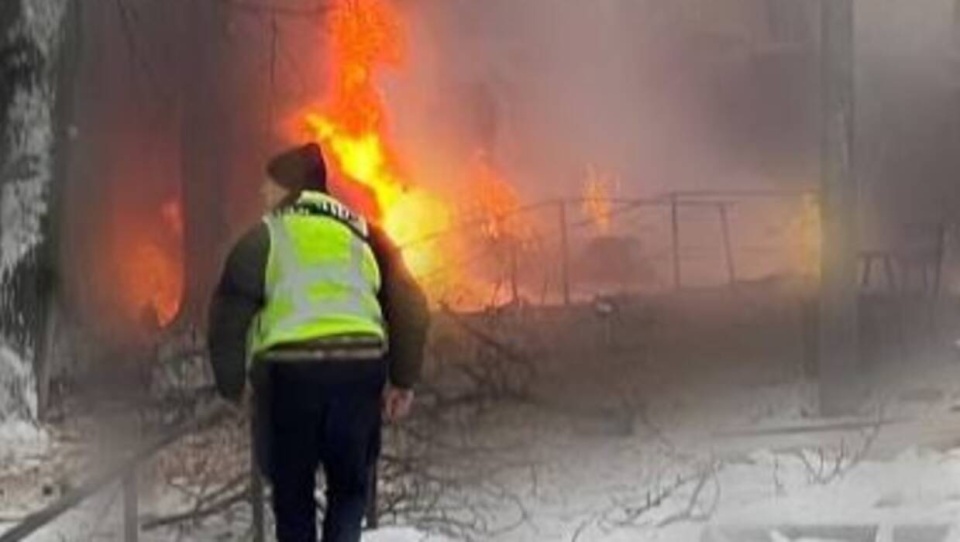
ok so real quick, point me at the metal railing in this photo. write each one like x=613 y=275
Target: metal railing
x=126 y=472
x=721 y=201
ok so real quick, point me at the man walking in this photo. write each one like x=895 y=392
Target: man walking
x=319 y=307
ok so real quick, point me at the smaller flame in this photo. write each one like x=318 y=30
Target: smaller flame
x=172 y=214
x=150 y=263
x=596 y=200
x=806 y=231
x=410 y=222
x=493 y=200
x=154 y=283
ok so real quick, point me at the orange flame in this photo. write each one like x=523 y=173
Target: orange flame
x=596 y=200
x=172 y=214
x=154 y=282
x=366 y=37
x=494 y=200
x=805 y=230
x=151 y=273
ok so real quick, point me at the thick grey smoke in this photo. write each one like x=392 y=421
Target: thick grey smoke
x=666 y=95
x=907 y=103
x=684 y=93
x=661 y=95
x=674 y=95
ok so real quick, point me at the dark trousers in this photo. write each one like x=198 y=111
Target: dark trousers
x=311 y=414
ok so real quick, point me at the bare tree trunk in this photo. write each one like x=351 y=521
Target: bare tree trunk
x=839 y=329
x=31 y=34
x=204 y=144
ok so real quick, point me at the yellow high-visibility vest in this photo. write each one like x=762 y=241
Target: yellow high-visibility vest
x=321 y=279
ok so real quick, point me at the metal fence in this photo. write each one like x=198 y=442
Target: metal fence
x=554 y=252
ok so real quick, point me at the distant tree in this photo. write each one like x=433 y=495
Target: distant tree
x=205 y=147
x=791 y=22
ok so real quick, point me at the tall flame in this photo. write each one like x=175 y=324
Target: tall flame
x=366 y=37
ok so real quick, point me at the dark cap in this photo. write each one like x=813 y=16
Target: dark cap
x=301 y=168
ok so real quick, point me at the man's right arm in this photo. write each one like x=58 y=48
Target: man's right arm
x=406 y=311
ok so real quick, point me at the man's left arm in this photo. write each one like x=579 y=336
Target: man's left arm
x=236 y=302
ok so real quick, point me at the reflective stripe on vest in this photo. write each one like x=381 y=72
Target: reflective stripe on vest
x=322 y=277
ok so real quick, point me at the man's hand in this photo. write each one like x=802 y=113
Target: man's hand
x=397 y=403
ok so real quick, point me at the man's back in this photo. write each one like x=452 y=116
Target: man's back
x=242 y=294
x=322 y=312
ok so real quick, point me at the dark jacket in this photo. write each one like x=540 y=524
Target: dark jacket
x=240 y=296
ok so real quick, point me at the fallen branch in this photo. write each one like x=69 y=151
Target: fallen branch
x=485 y=338
x=690 y=512
x=197 y=514
x=830 y=469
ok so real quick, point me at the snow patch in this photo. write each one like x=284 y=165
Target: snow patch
x=18 y=395
x=42 y=19
x=20 y=440
x=28 y=169
x=23 y=197
x=917 y=487
x=401 y=534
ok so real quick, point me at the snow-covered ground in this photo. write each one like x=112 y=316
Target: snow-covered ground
x=568 y=483
x=590 y=490
x=683 y=470
x=21 y=440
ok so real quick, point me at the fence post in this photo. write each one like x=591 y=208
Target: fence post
x=675 y=237
x=727 y=245
x=514 y=247
x=841 y=386
x=131 y=512
x=564 y=254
